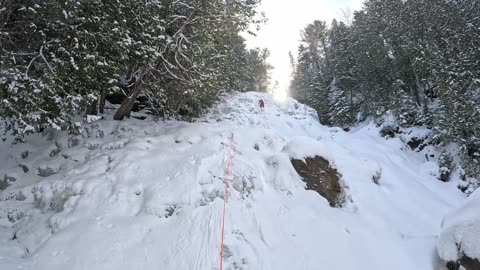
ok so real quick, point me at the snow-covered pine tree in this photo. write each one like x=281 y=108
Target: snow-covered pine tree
x=417 y=59
x=310 y=82
x=341 y=113
x=457 y=84
x=343 y=90
x=61 y=56
x=218 y=56
x=258 y=70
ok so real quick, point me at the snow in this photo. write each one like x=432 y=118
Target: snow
x=92 y=118
x=302 y=147
x=146 y=195
x=461 y=228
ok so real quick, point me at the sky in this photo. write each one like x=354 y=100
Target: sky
x=286 y=19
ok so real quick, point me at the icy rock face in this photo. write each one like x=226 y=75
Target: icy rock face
x=320 y=177
x=459 y=242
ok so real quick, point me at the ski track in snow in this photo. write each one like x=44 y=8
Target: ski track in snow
x=147 y=195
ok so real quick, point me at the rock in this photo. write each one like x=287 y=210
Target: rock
x=469 y=263
x=465 y=263
x=24 y=167
x=321 y=177
x=20 y=196
x=25 y=154
x=6 y=182
x=377 y=176
x=170 y=210
x=55 y=152
x=73 y=141
x=46 y=171
x=416 y=142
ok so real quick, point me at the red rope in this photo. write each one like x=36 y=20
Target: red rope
x=225 y=197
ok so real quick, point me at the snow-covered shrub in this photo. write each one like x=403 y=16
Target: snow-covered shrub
x=446 y=164
x=343 y=110
x=389 y=131
x=471 y=159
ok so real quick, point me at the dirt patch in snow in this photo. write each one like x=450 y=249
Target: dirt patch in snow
x=320 y=177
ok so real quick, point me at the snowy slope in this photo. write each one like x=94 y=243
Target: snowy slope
x=145 y=195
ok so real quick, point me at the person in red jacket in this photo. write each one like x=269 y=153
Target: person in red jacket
x=261 y=103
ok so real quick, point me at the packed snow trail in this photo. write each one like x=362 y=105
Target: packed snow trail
x=225 y=199
x=144 y=195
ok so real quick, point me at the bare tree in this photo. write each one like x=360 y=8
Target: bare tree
x=346 y=15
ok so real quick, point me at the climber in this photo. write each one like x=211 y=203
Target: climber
x=261 y=103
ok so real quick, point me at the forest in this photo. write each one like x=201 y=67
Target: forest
x=62 y=59
x=416 y=60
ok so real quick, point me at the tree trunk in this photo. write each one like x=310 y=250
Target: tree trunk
x=415 y=90
x=101 y=106
x=127 y=104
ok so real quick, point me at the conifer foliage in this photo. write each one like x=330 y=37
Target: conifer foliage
x=419 y=60
x=60 y=59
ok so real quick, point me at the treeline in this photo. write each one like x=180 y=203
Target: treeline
x=416 y=59
x=60 y=59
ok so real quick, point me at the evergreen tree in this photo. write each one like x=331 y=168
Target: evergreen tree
x=416 y=59
x=343 y=94
x=257 y=70
x=309 y=84
x=61 y=58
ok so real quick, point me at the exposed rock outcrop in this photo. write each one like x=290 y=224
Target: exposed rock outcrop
x=322 y=178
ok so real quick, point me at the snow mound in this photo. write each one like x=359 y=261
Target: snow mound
x=461 y=231
x=146 y=195
x=302 y=147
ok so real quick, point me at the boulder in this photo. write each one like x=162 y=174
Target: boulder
x=464 y=263
x=416 y=142
x=321 y=177
x=6 y=181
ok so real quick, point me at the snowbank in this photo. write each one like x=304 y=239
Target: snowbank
x=302 y=147
x=461 y=231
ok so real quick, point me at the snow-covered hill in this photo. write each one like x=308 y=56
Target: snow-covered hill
x=145 y=195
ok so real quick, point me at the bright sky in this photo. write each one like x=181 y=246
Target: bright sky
x=286 y=19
